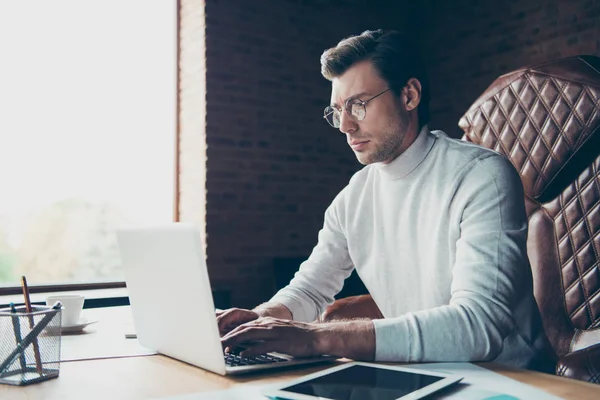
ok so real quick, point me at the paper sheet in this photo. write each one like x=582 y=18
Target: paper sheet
x=110 y=347
x=104 y=339
x=482 y=384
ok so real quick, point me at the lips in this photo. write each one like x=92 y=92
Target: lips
x=358 y=145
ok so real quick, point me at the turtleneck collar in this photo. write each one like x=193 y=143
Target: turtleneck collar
x=406 y=162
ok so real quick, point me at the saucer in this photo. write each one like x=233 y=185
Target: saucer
x=78 y=327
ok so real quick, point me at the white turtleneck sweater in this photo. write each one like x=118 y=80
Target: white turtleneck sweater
x=438 y=236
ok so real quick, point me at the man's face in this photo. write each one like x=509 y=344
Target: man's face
x=379 y=137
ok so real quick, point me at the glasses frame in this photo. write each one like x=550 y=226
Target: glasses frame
x=345 y=108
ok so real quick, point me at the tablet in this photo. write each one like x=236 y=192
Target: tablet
x=357 y=380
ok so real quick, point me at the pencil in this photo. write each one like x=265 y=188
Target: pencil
x=17 y=330
x=30 y=337
x=36 y=346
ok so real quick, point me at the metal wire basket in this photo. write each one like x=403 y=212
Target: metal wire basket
x=29 y=344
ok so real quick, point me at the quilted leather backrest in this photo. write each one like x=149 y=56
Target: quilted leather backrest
x=564 y=247
x=546 y=120
x=539 y=117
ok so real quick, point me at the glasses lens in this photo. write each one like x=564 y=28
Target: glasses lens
x=332 y=116
x=357 y=110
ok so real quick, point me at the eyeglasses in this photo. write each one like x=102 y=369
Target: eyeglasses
x=355 y=108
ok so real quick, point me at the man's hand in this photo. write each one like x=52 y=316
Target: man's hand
x=352 y=339
x=234 y=317
x=267 y=334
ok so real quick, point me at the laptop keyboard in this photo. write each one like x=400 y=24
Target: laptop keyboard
x=235 y=360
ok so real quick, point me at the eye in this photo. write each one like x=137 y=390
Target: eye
x=356 y=108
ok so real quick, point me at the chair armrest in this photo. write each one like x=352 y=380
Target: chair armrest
x=583 y=365
x=352 y=307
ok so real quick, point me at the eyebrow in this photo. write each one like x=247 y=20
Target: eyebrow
x=354 y=96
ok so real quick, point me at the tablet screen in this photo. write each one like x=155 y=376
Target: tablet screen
x=361 y=382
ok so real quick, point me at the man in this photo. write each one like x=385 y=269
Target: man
x=435 y=227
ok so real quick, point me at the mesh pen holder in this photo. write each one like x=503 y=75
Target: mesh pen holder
x=29 y=344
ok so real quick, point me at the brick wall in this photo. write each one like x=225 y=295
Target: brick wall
x=274 y=164
x=470 y=43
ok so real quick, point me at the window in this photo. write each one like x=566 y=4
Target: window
x=87 y=133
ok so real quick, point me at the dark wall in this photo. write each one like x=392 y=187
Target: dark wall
x=274 y=164
x=469 y=43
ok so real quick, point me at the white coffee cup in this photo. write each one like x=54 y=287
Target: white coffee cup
x=72 y=304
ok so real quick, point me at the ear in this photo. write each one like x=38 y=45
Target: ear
x=412 y=91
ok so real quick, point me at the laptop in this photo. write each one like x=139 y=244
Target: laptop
x=172 y=304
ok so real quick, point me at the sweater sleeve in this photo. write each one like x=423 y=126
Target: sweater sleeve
x=322 y=275
x=490 y=268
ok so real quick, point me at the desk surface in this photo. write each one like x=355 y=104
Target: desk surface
x=141 y=377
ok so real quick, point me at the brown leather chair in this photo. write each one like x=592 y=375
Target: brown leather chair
x=546 y=120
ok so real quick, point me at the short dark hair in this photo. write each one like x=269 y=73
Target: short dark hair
x=394 y=56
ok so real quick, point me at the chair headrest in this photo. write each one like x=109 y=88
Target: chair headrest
x=540 y=117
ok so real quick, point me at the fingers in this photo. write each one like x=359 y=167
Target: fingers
x=232 y=318
x=271 y=334
x=266 y=322
x=243 y=335
x=226 y=320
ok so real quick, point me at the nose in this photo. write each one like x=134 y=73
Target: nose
x=347 y=123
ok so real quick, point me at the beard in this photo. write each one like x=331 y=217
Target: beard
x=388 y=145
